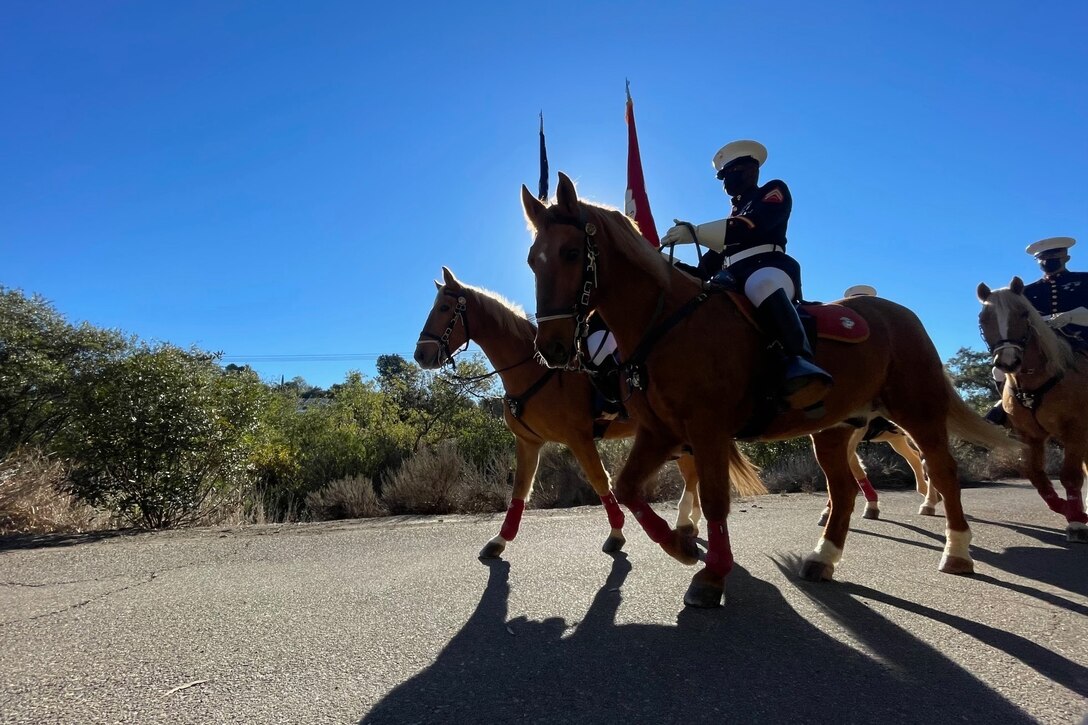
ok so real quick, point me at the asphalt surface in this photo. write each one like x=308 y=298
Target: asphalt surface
x=396 y=621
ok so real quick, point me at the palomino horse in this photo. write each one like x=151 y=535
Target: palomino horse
x=690 y=359
x=881 y=430
x=1045 y=395
x=540 y=404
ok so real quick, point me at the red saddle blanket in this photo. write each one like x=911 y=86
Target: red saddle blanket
x=832 y=322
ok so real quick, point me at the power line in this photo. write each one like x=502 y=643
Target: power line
x=314 y=357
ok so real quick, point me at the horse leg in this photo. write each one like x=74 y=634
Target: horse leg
x=688 y=510
x=1035 y=471
x=1072 y=478
x=585 y=451
x=707 y=588
x=857 y=468
x=941 y=466
x=833 y=453
x=648 y=454
x=903 y=445
x=528 y=457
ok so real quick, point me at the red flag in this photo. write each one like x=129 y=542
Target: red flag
x=636 y=205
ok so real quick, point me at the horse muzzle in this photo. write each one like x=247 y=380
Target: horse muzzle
x=428 y=354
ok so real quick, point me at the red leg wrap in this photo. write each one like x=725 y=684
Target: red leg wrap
x=867 y=489
x=1075 y=510
x=656 y=527
x=513 y=519
x=612 y=508
x=719 y=556
x=1054 y=501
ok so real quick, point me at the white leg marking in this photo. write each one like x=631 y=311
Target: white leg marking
x=683 y=513
x=957 y=543
x=826 y=552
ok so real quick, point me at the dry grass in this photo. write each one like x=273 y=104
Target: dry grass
x=440 y=481
x=347 y=498
x=32 y=501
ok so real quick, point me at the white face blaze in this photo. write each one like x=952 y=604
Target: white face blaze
x=542 y=257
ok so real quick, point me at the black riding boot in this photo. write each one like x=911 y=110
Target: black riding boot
x=805 y=384
x=997 y=415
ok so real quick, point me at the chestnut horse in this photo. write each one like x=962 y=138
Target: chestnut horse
x=691 y=356
x=1045 y=395
x=550 y=405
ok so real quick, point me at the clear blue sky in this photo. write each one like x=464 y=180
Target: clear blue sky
x=268 y=178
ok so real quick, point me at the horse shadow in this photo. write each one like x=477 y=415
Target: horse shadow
x=1034 y=563
x=755 y=661
x=13 y=542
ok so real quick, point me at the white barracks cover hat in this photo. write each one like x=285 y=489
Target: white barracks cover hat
x=737 y=150
x=860 y=290
x=1045 y=245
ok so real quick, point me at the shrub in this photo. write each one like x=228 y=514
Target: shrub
x=159 y=432
x=429 y=482
x=345 y=498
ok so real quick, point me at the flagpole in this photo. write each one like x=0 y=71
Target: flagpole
x=542 y=188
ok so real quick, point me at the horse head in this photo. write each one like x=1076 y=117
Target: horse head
x=446 y=328
x=563 y=260
x=1007 y=323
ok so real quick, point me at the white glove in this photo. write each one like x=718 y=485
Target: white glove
x=710 y=234
x=1077 y=316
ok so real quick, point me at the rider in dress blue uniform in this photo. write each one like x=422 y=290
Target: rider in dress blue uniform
x=1060 y=296
x=751 y=244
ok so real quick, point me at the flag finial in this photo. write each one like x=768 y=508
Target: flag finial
x=628 y=82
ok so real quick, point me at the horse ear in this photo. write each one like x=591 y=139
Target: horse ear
x=566 y=197
x=983 y=292
x=1017 y=286
x=535 y=211
x=438 y=285
x=450 y=280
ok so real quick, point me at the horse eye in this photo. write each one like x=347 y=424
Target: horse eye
x=572 y=254
x=444 y=308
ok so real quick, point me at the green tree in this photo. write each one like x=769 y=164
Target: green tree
x=971 y=375
x=43 y=362
x=160 y=431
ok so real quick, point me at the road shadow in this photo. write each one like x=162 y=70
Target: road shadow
x=754 y=661
x=843 y=602
x=50 y=541
x=1059 y=569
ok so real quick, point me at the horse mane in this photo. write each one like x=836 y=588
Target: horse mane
x=1058 y=352
x=627 y=238
x=506 y=315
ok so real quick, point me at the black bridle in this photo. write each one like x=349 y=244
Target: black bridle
x=580 y=309
x=460 y=312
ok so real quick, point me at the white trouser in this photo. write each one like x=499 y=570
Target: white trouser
x=600 y=345
x=764 y=282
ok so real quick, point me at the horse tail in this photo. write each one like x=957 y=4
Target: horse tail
x=966 y=424
x=743 y=474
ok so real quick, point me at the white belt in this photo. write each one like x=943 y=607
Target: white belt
x=746 y=253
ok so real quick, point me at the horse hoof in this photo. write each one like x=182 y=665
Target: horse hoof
x=706 y=591
x=688 y=530
x=957 y=565
x=871 y=514
x=613 y=544
x=492 y=550
x=927 y=510
x=1077 y=534
x=814 y=570
x=683 y=548
x=822 y=521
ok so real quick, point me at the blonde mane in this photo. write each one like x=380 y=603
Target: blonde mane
x=506 y=315
x=1058 y=353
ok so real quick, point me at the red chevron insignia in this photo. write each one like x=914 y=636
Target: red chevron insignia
x=774 y=196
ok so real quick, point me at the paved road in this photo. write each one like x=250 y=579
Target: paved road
x=395 y=621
